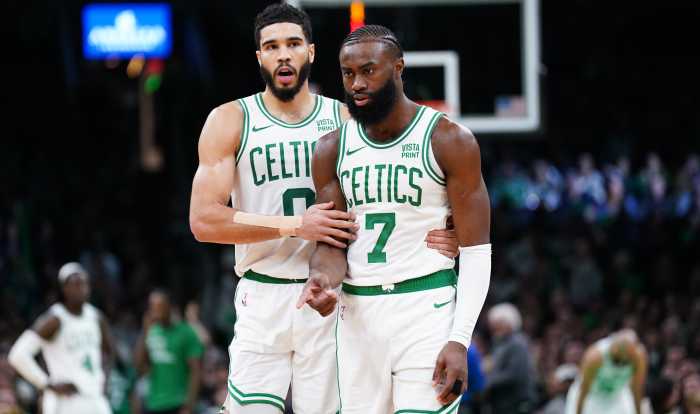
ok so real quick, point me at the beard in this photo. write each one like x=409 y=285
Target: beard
x=286 y=94
x=379 y=106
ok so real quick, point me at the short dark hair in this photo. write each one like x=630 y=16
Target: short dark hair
x=282 y=13
x=374 y=32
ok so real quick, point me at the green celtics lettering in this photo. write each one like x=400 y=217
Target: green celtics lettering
x=277 y=161
x=379 y=183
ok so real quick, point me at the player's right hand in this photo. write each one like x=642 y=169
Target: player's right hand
x=450 y=373
x=63 y=388
x=318 y=294
x=321 y=223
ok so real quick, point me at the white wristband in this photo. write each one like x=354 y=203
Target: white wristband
x=472 y=287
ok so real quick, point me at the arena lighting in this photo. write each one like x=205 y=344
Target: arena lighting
x=135 y=66
x=122 y=30
x=154 y=75
x=357 y=15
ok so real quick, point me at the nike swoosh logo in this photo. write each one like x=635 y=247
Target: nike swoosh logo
x=255 y=129
x=349 y=153
x=440 y=305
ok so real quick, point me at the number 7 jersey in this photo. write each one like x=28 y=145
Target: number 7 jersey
x=273 y=177
x=397 y=191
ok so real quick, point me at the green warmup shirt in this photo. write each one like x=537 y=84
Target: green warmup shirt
x=169 y=348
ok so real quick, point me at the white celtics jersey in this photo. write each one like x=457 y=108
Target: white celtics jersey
x=398 y=193
x=273 y=177
x=610 y=378
x=74 y=354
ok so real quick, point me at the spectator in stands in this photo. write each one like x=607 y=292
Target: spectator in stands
x=193 y=319
x=586 y=279
x=587 y=187
x=691 y=394
x=548 y=185
x=663 y=396
x=557 y=386
x=170 y=352
x=510 y=388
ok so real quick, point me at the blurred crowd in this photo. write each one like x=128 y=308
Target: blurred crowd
x=586 y=249
x=581 y=250
x=600 y=192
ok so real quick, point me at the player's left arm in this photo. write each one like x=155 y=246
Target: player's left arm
x=328 y=264
x=640 y=376
x=442 y=240
x=108 y=349
x=458 y=155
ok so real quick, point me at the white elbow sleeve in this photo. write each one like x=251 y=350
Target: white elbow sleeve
x=21 y=357
x=472 y=287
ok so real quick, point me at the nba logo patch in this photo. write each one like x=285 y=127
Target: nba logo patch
x=342 y=312
x=244 y=301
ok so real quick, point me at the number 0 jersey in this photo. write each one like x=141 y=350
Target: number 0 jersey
x=397 y=191
x=75 y=354
x=273 y=177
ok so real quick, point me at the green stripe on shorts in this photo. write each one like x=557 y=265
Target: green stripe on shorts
x=445 y=409
x=255 y=397
x=337 y=365
x=259 y=277
x=441 y=278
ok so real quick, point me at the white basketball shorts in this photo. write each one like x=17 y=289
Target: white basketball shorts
x=276 y=344
x=389 y=338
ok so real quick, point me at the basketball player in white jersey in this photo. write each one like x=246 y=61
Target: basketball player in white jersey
x=401 y=168
x=611 y=378
x=257 y=152
x=74 y=340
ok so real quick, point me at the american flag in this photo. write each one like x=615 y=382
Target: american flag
x=510 y=106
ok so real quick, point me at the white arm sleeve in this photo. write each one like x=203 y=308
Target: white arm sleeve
x=21 y=357
x=472 y=287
